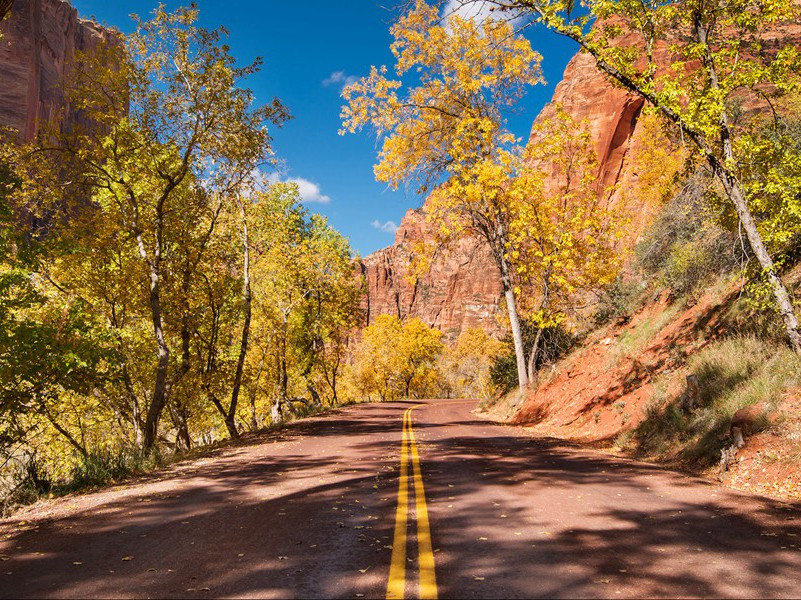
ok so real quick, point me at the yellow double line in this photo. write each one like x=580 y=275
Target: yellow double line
x=427 y=583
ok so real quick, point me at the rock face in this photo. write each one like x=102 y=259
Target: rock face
x=38 y=40
x=461 y=290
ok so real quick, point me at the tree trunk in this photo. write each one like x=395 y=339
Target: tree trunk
x=160 y=389
x=243 y=347
x=514 y=321
x=182 y=438
x=532 y=359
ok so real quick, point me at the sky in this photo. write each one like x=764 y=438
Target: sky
x=311 y=50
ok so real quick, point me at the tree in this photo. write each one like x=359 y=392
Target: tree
x=396 y=359
x=722 y=54
x=449 y=125
x=167 y=136
x=303 y=290
x=466 y=364
x=563 y=234
x=50 y=346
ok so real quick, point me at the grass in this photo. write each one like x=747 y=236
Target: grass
x=633 y=341
x=733 y=373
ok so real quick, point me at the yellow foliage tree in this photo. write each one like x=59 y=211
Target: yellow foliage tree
x=396 y=359
x=466 y=365
x=446 y=129
x=563 y=235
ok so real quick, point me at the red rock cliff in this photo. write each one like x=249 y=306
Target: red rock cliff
x=461 y=290
x=39 y=38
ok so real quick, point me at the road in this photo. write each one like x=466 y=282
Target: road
x=324 y=509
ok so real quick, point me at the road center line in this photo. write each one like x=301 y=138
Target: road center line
x=427 y=583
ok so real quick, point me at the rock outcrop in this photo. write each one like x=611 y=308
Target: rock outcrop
x=461 y=290
x=38 y=39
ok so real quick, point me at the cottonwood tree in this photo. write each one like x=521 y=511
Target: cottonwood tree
x=724 y=54
x=564 y=235
x=166 y=131
x=442 y=125
x=396 y=358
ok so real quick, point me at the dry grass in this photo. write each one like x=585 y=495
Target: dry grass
x=733 y=373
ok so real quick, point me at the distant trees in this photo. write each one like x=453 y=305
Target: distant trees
x=397 y=359
x=466 y=365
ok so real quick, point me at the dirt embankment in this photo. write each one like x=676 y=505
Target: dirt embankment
x=623 y=387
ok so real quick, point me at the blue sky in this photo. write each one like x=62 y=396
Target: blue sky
x=310 y=49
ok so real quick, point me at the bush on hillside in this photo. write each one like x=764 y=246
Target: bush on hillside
x=686 y=249
x=555 y=343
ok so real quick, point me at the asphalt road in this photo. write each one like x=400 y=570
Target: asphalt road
x=311 y=511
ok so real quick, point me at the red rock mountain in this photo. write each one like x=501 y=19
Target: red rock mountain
x=39 y=37
x=463 y=287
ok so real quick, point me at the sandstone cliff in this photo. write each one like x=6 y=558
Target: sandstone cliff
x=39 y=38
x=461 y=290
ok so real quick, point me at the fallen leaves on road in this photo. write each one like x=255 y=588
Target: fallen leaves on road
x=127 y=558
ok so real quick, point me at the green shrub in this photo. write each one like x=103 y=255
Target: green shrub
x=554 y=344
x=686 y=247
x=99 y=468
x=621 y=298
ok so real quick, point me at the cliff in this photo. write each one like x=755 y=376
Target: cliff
x=461 y=290
x=39 y=38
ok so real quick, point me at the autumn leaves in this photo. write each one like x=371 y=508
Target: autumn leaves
x=441 y=122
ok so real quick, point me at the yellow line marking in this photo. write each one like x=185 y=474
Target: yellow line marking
x=396 y=586
x=427 y=584
x=428 y=579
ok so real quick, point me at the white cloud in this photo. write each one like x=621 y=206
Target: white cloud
x=478 y=10
x=388 y=227
x=339 y=78
x=309 y=191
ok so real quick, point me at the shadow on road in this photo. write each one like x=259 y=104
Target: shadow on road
x=313 y=518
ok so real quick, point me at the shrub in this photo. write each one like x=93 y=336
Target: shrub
x=620 y=299
x=686 y=248
x=555 y=343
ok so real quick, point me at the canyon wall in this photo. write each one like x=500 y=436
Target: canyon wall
x=38 y=39
x=463 y=287
x=461 y=290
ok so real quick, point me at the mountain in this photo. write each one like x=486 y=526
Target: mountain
x=39 y=38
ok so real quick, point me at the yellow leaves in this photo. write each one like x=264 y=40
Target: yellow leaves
x=449 y=117
x=396 y=358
